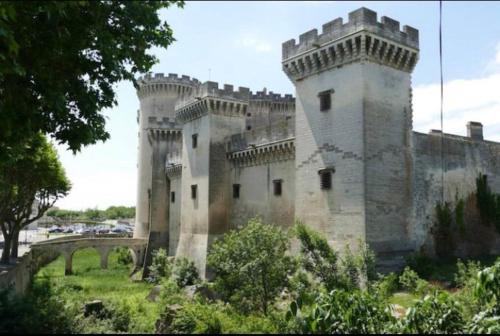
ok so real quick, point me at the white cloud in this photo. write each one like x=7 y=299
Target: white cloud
x=464 y=100
x=257 y=44
x=497 y=56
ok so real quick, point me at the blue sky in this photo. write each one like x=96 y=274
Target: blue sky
x=240 y=42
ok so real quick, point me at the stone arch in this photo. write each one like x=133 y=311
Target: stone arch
x=70 y=252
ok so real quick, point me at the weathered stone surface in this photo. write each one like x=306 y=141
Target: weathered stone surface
x=203 y=290
x=154 y=293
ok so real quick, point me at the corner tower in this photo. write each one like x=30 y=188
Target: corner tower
x=353 y=129
x=160 y=139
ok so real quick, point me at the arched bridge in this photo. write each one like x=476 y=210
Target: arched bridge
x=67 y=246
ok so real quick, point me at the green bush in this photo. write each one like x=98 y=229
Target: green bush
x=408 y=280
x=318 y=258
x=386 y=285
x=251 y=266
x=340 y=311
x=421 y=264
x=39 y=311
x=185 y=272
x=436 y=313
x=124 y=255
x=161 y=266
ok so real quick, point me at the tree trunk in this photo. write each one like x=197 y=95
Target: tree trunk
x=6 y=249
x=15 y=244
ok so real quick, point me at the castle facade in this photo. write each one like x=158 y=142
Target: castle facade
x=341 y=156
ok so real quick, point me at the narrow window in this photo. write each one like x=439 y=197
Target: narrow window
x=277 y=187
x=249 y=114
x=325 y=178
x=249 y=128
x=194 y=188
x=236 y=191
x=325 y=100
x=195 y=140
x=172 y=197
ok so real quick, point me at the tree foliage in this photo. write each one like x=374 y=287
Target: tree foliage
x=31 y=181
x=60 y=61
x=251 y=266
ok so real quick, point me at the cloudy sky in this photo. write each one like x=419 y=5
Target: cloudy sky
x=239 y=43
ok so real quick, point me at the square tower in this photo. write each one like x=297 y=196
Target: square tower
x=208 y=118
x=353 y=127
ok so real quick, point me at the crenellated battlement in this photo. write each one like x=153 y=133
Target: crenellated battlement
x=360 y=19
x=270 y=96
x=362 y=37
x=173 y=83
x=209 y=98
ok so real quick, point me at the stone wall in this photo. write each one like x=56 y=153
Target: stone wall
x=255 y=176
x=332 y=138
x=464 y=159
x=18 y=277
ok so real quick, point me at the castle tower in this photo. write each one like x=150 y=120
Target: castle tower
x=160 y=140
x=208 y=118
x=353 y=129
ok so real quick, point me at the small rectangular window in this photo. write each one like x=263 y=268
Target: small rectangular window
x=195 y=140
x=325 y=100
x=325 y=178
x=194 y=189
x=172 y=197
x=249 y=128
x=277 y=187
x=236 y=191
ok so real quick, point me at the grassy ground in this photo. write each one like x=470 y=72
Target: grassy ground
x=112 y=285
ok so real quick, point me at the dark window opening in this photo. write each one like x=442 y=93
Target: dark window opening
x=172 y=197
x=325 y=100
x=249 y=128
x=277 y=187
x=236 y=191
x=325 y=178
x=194 y=188
x=249 y=114
x=195 y=140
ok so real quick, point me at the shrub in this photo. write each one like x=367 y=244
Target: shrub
x=318 y=258
x=421 y=264
x=39 y=311
x=250 y=265
x=340 y=311
x=124 y=255
x=408 y=280
x=185 y=272
x=436 y=313
x=161 y=266
x=386 y=285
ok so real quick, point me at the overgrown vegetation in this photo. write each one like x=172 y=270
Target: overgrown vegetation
x=305 y=298
x=251 y=266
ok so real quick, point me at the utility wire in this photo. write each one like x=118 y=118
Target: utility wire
x=441 y=69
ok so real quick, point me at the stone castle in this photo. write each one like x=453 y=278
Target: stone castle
x=341 y=156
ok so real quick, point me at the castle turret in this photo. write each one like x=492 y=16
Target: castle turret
x=160 y=140
x=353 y=128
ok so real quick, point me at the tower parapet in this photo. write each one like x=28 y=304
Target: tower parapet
x=180 y=85
x=361 y=38
x=209 y=98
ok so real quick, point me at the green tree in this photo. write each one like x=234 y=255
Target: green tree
x=30 y=183
x=60 y=60
x=251 y=267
